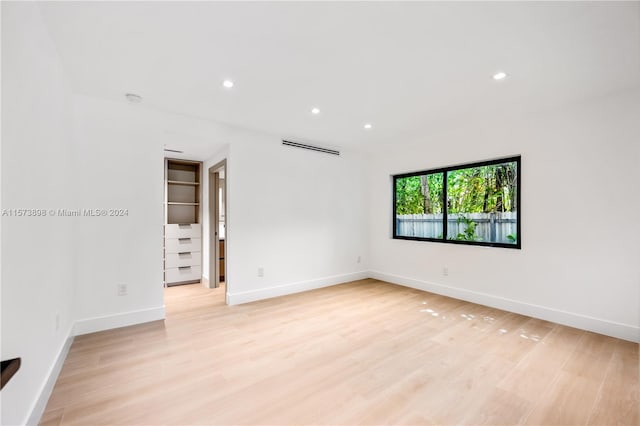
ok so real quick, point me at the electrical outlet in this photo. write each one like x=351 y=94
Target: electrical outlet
x=57 y=321
x=122 y=290
x=359 y=259
x=445 y=271
x=260 y=271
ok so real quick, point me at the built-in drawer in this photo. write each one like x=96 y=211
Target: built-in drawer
x=181 y=245
x=189 y=258
x=184 y=273
x=179 y=230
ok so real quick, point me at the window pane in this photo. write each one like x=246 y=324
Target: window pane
x=419 y=206
x=482 y=202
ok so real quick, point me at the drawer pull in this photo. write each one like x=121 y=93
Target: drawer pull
x=184 y=267
x=184 y=239
x=183 y=252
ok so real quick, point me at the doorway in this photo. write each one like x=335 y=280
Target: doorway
x=218 y=237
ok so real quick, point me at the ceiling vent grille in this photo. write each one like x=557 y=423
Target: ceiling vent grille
x=310 y=147
x=173 y=150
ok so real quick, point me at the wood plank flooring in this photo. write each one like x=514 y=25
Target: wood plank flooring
x=366 y=352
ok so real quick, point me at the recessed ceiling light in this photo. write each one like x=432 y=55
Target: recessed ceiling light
x=367 y=126
x=315 y=110
x=499 y=75
x=133 y=98
x=228 y=84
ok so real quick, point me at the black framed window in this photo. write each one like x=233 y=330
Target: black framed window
x=475 y=203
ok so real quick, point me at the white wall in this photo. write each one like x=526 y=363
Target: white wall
x=37 y=253
x=120 y=154
x=578 y=263
x=300 y=215
x=120 y=166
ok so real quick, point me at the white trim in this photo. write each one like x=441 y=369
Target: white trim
x=107 y=322
x=205 y=282
x=297 y=287
x=47 y=387
x=583 y=322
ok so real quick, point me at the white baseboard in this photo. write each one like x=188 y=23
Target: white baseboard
x=583 y=322
x=205 y=282
x=47 y=387
x=297 y=287
x=107 y=322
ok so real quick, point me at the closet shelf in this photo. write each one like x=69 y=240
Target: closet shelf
x=180 y=182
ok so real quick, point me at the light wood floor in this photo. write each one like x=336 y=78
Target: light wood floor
x=366 y=352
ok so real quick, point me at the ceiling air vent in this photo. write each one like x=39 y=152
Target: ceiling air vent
x=310 y=147
x=173 y=150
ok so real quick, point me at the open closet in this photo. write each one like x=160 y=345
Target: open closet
x=183 y=227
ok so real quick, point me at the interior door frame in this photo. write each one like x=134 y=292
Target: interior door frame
x=214 y=215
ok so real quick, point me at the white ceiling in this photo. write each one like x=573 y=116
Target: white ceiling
x=408 y=68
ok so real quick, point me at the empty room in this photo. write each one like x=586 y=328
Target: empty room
x=320 y=213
